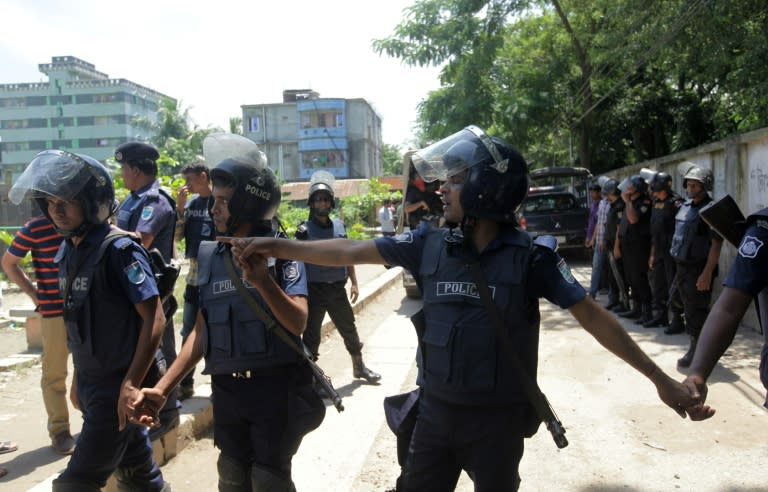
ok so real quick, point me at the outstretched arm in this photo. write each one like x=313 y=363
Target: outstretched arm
x=331 y=252
x=611 y=335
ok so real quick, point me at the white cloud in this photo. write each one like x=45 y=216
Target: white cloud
x=216 y=56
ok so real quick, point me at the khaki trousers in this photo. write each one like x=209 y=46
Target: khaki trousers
x=54 y=378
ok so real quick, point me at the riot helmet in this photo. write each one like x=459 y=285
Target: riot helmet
x=661 y=182
x=322 y=181
x=242 y=166
x=68 y=177
x=703 y=176
x=610 y=187
x=497 y=175
x=637 y=182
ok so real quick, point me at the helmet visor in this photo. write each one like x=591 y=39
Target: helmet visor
x=322 y=180
x=52 y=172
x=454 y=154
x=217 y=147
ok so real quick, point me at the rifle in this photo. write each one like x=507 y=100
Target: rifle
x=272 y=325
x=725 y=217
x=619 y=280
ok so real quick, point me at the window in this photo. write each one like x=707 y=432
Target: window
x=254 y=124
x=322 y=119
x=324 y=159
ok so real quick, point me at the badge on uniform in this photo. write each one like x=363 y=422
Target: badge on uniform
x=643 y=209
x=565 y=271
x=290 y=270
x=135 y=273
x=405 y=237
x=146 y=213
x=749 y=247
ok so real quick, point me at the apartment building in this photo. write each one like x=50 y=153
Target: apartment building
x=305 y=132
x=78 y=109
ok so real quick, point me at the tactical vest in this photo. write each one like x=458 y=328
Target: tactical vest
x=234 y=338
x=615 y=213
x=103 y=329
x=461 y=362
x=639 y=231
x=319 y=273
x=130 y=212
x=691 y=240
x=198 y=225
x=663 y=223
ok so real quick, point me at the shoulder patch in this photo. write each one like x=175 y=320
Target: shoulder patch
x=749 y=247
x=762 y=223
x=135 y=273
x=548 y=242
x=405 y=237
x=123 y=242
x=146 y=213
x=565 y=271
x=290 y=270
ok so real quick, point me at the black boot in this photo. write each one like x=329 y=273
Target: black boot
x=360 y=371
x=646 y=316
x=620 y=308
x=685 y=361
x=634 y=313
x=677 y=325
x=612 y=303
x=660 y=319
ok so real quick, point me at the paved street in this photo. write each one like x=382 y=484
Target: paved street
x=621 y=436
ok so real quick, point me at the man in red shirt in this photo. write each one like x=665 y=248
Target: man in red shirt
x=40 y=237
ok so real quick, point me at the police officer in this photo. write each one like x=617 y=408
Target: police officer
x=194 y=225
x=113 y=316
x=150 y=212
x=665 y=206
x=696 y=251
x=634 y=245
x=473 y=413
x=327 y=292
x=615 y=213
x=746 y=280
x=263 y=401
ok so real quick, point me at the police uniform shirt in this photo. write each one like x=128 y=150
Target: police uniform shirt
x=147 y=211
x=749 y=274
x=198 y=225
x=642 y=228
x=663 y=221
x=548 y=275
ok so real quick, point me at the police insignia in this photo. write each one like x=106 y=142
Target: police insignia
x=749 y=247
x=290 y=270
x=146 y=213
x=643 y=209
x=405 y=237
x=565 y=271
x=135 y=273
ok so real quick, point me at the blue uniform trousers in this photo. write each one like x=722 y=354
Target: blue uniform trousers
x=101 y=448
x=487 y=442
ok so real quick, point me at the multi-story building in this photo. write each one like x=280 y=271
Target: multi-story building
x=305 y=133
x=79 y=109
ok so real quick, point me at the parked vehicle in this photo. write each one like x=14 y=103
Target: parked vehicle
x=557 y=205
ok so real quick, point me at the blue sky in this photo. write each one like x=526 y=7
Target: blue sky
x=217 y=55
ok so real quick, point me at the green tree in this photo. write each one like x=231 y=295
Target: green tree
x=392 y=160
x=236 y=125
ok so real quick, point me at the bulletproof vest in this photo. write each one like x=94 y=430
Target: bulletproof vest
x=102 y=325
x=762 y=308
x=234 y=338
x=641 y=230
x=461 y=361
x=198 y=225
x=691 y=240
x=319 y=273
x=663 y=222
x=130 y=212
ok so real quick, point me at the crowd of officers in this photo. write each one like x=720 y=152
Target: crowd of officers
x=254 y=295
x=661 y=256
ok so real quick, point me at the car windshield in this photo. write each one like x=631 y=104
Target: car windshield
x=549 y=203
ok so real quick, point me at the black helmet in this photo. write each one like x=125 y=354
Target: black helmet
x=610 y=187
x=70 y=177
x=661 y=182
x=703 y=176
x=322 y=181
x=497 y=178
x=639 y=183
x=241 y=165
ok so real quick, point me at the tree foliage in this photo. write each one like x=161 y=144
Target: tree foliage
x=391 y=160
x=600 y=84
